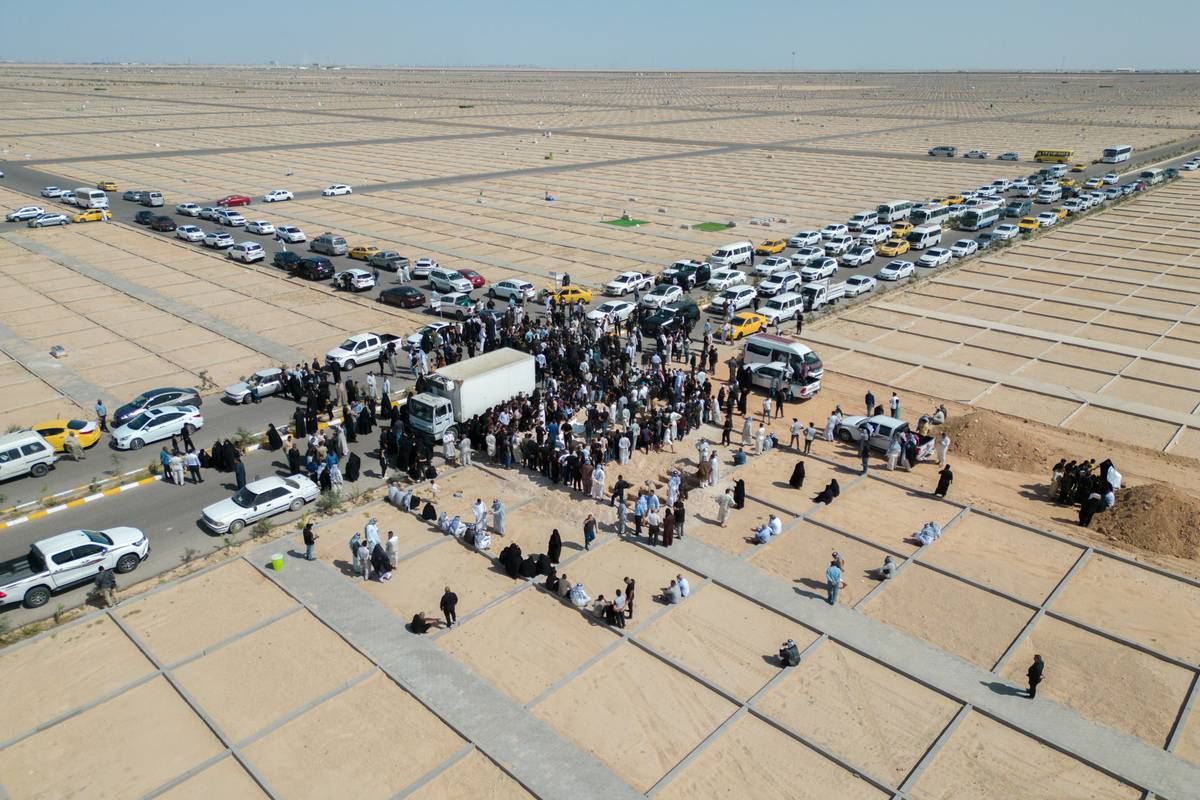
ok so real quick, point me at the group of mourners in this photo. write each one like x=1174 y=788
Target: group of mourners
x=1091 y=486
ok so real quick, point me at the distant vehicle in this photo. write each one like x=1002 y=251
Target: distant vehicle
x=894 y=247
x=783 y=307
x=51 y=191
x=769 y=266
x=231 y=200
x=218 y=240
x=572 y=294
x=69 y=559
x=944 y=150
x=314 y=268
x=25 y=213
x=107 y=186
x=156 y=424
x=389 y=260
x=1191 y=165
x=660 y=295
x=361 y=252
x=277 y=196
x=1029 y=224
x=834 y=229
x=260 y=226
x=1116 y=154
x=153 y=199
x=805 y=239
x=402 y=296
x=819 y=294
x=25 y=453
x=290 y=234
x=231 y=218
x=188 y=209
x=477 y=280
x=1113 y=192
x=91 y=215
x=859 y=284
x=985 y=240
x=934 y=257
x=861 y=220
x=746 y=323
x=143 y=217
x=259 y=499
x=740 y=296
x=777 y=373
x=134 y=195
x=807 y=255
x=876 y=234
x=1053 y=156
x=189 y=233
x=627 y=283
x=48 y=219
x=209 y=213
x=975 y=154
x=336 y=189
x=268 y=382
x=839 y=244
x=1017 y=209
x=681 y=314
x=354 y=280
x=1006 y=232
x=414 y=339
x=963 y=248
x=770 y=247
x=1047 y=219
x=361 y=348
x=1112 y=178
x=423 y=266
x=512 y=287
x=619 y=310
x=1009 y=156
x=880 y=432
x=156 y=398
x=246 y=252
x=724 y=278
x=329 y=244
x=67 y=197
x=688 y=274
x=858 y=255
x=895 y=270
x=163 y=224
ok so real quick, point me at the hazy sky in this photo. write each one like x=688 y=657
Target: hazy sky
x=651 y=34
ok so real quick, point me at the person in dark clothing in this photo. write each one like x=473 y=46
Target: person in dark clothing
x=554 y=549
x=206 y=461
x=231 y=457
x=239 y=471
x=1034 y=674
x=680 y=516
x=349 y=425
x=797 y=479
x=325 y=481
x=294 y=460
x=947 y=477
x=789 y=654
x=630 y=587
x=353 y=464
x=828 y=494
x=420 y=623
x=298 y=423
x=106 y=587
x=528 y=567
x=380 y=564
x=310 y=541
x=739 y=493
x=429 y=513
x=448 y=605
x=274 y=440
x=1087 y=509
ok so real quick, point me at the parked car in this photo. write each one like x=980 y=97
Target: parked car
x=143 y=217
x=156 y=424
x=69 y=559
x=963 y=248
x=277 y=195
x=1009 y=156
x=336 y=189
x=660 y=295
x=689 y=273
x=231 y=200
x=287 y=260
x=209 y=213
x=257 y=500
x=477 y=280
x=805 y=239
x=934 y=257
x=218 y=240
x=48 y=219
x=779 y=283
x=839 y=244
x=267 y=381
x=402 y=297
x=230 y=218
x=834 y=229
x=163 y=224
x=512 y=287
x=770 y=265
x=246 y=252
x=806 y=255
x=422 y=267
x=315 y=268
x=354 y=280
x=25 y=213
x=627 y=283
x=770 y=247
x=188 y=209
x=389 y=260
x=819 y=270
x=740 y=296
x=56 y=431
x=875 y=234
x=51 y=191
x=894 y=247
x=290 y=234
x=1005 y=232
x=678 y=315
x=858 y=255
x=613 y=310
x=859 y=284
x=895 y=270
x=724 y=278
x=92 y=215
x=260 y=226
x=1047 y=219
x=975 y=154
x=362 y=252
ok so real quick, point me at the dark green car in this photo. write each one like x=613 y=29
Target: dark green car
x=287 y=260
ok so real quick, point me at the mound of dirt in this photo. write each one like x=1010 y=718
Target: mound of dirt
x=997 y=442
x=1154 y=517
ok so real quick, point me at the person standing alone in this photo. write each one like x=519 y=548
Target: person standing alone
x=448 y=605
x=1035 y=675
x=102 y=415
x=833 y=582
x=310 y=541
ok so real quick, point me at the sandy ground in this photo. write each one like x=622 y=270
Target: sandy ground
x=986 y=759
x=874 y=717
x=527 y=643
x=472 y=778
x=83 y=662
x=960 y=619
x=603 y=571
x=63 y=761
x=752 y=759
x=857 y=511
x=800 y=556
x=226 y=778
x=322 y=752
x=716 y=634
x=197 y=613
x=1107 y=682
x=260 y=678
x=635 y=714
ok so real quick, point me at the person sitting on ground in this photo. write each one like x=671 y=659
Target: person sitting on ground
x=762 y=534
x=789 y=654
x=579 y=598
x=670 y=595
x=886 y=571
x=551 y=582
x=483 y=540
x=939 y=416
x=684 y=588
x=827 y=494
x=600 y=608
x=421 y=623
x=564 y=586
x=928 y=534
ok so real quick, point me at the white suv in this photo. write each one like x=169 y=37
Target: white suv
x=290 y=234
x=247 y=252
x=232 y=218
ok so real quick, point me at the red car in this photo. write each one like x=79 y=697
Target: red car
x=232 y=200
x=474 y=277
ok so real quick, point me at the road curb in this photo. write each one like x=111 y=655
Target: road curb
x=36 y=515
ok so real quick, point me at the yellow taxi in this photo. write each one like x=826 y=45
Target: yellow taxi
x=893 y=247
x=55 y=431
x=901 y=229
x=107 y=186
x=91 y=215
x=954 y=200
x=938 y=201
x=1078 y=167
x=573 y=294
x=770 y=247
x=1060 y=212
x=1094 y=183
x=747 y=322
x=1068 y=182
x=364 y=251
x=1029 y=224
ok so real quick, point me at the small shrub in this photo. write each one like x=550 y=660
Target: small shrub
x=329 y=503
x=227 y=541
x=58 y=613
x=260 y=529
x=94 y=484
x=206 y=381
x=189 y=555
x=155 y=468
x=244 y=437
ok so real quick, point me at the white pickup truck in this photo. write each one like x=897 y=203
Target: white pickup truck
x=67 y=560
x=360 y=349
x=883 y=431
x=820 y=293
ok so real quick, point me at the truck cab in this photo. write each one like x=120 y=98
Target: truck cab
x=882 y=431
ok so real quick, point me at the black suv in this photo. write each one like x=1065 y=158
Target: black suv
x=671 y=317
x=286 y=259
x=315 y=268
x=688 y=277
x=144 y=217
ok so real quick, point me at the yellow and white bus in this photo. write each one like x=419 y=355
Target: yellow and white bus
x=1053 y=156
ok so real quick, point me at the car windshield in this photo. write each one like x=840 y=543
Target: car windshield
x=245 y=498
x=98 y=538
x=138 y=422
x=422 y=411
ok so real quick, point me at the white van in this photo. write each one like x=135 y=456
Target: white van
x=765 y=348
x=861 y=220
x=25 y=453
x=924 y=236
x=732 y=254
x=1049 y=194
x=449 y=280
x=783 y=307
x=86 y=197
x=894 y=211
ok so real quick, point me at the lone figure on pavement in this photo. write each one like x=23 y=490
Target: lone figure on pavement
x=448 y=605
x=106 y=587
x=1035 y=675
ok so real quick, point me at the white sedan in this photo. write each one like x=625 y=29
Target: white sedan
x=805 y=239
x=258 y=499
x=819 y=270
x=806 y=255
x=875 y=234
x=895 y=270
x=513 y=287
x=627 y=283
x=290 y=234
x=859 y=284
x=154 y=424
x=772 y=264
x=277 y=195
x=260 y=226
x=49 y=218
x=1005 y=232
x=189 y=233
x=1047 y=219
x=1111 y=178
x=858 y=255
x=1191 y=165
x=188 y=209
x=356 y=280
x=51 y=191
x=834 y=229
x=619 y=310
x=25 y=213
x=964 y=247
x=724 y=278
x=267 y=381
x=336 y=189
x=659 y=296
x=740 y=296
x=934 y=257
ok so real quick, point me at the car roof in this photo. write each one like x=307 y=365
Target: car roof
x=263 y=484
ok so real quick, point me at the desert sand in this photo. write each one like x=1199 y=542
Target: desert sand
x=472 y=778
x=225 y=779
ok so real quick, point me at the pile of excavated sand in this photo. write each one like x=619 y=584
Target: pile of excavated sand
x=997 y=442
x=1154 y=517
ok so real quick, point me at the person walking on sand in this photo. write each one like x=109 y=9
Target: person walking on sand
x=449 y=606
x=1034 y=674
x=589 y=532
x=895 y=405
x=943 y=446
x=944 y=481
x=870 y=399
x=724 y=501
x=795 y=430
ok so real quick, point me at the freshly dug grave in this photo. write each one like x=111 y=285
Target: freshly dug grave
x=997 y=442
x=1154 y=517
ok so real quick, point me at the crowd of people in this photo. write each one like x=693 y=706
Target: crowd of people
x=1091 y=486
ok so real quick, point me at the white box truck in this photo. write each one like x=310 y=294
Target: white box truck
x=459 y=391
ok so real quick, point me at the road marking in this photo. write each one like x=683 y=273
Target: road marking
x=35 y=515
